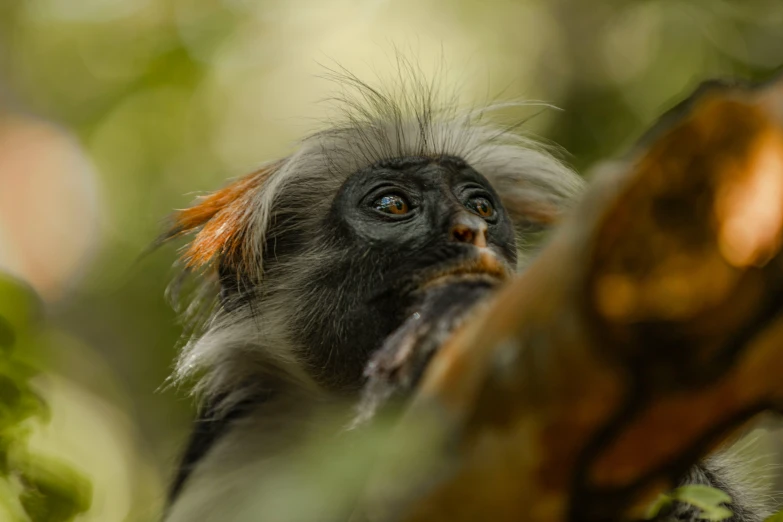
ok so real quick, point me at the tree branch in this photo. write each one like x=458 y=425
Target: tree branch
x=646 y=333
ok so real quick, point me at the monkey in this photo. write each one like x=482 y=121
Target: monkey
x=331 y=276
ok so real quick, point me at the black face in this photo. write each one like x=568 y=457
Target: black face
x=404 y=227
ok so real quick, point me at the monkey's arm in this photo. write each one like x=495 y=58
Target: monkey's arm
x=397 y=367
x=642 y=337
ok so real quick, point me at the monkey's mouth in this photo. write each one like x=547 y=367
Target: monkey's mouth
x=485 y=267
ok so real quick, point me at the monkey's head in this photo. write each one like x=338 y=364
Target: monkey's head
x=393 y=230
x=318 y=257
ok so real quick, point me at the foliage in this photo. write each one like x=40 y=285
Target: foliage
x=710 y=501
x=32 y=487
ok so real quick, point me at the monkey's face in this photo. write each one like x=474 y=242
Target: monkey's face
x=397 y=231
x=422 y=220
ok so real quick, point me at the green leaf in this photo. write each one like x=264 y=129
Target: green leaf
x=716 y=514
x=7 y=335
x=663 y=501
x=54 y=491
x=32 y=487
x=708 y=499
x=701 y=496
x=20 y=308
x=11 y=508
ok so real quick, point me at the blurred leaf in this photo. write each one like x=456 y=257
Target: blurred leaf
x=701 y=495
x=54 y=491
x=659 y=504
x=708 y=499
x=20 y=310
x=7 y=336
x=32 y=487
x=10 y=504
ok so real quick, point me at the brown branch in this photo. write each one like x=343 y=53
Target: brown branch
x=647 y=332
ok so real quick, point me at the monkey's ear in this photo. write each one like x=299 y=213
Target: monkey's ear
x=533 y=214
x=223 y=224
x=538 y=206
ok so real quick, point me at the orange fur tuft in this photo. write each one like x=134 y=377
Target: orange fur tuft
x=224 y=218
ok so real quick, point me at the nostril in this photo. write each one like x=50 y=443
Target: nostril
x=462 y=234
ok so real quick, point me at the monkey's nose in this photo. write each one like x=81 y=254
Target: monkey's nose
x=467 y=228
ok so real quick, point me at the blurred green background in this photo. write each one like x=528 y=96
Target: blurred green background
x=115 y=112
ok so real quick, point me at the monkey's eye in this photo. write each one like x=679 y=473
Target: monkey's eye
x=481 y=206
x=391 y=204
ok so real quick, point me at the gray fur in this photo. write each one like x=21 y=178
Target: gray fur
x=250 y=339
x=739 y=472
x=239 y=346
